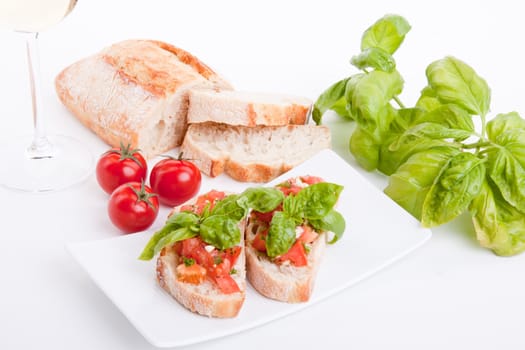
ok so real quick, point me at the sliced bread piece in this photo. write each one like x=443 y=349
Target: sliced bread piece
x=135 y=92
x=252 y=154
x=205 y=297
x=283 y=282
x=246 y=108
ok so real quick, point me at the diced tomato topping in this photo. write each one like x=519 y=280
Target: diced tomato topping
x=308 y=235
x=310 y=180
x=266 y=217
x=227 y=284
x=217 y=265
x=259 y=242
x=193 y=274
x=289 y=188
x=206 y=200
x=296 y=255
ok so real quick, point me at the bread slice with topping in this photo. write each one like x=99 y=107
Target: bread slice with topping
x=247 y=108
x=252 y=154
x=206 y=278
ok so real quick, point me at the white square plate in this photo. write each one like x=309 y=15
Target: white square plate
x=378 y=233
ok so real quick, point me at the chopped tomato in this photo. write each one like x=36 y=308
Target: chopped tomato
x=217 y=265
x=259 y=242
x=308 y=235
x=232 y=254
x=194 y=248
x=266 y=217
x=310 y=180
x=193 y=274
x=206 y=200
x=227 y=284
x=289 y=188
x=296 y=255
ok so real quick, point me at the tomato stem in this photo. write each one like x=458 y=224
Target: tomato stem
x=143 y=195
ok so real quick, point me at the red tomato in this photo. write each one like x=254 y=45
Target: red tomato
x=175 y=180
x=119 y=166
x=133 y=207
x=296 y=255
x=227 y=284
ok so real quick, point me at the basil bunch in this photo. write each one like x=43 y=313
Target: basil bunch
x=439 y=164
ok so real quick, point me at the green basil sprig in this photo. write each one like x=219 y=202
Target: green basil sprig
x=439 y=164
x=313 y=204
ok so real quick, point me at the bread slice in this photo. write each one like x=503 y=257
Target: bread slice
x=136 y=92
x=252 y=154
x=247 y=108
x=205 y=298
x=283 y=282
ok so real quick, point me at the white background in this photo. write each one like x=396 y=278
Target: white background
x=449 y=294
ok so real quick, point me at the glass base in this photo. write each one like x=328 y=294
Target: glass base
x=67 y=163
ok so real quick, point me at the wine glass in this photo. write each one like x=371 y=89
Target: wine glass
x=40 y=162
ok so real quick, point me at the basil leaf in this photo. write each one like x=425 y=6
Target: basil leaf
x=370 y=98
x=387 y=33
x=334 y=95
x=183 y=219
x=174 y=236
x=319 y=199
x=412 y=181
x=176 y=221
x=393 y=153
x=449 y=115
x=499 y=226
x=503 y=123
x=458 y=183
x=333 y=221
x=220 y=231
x=432 y=131
x=456 y=82
x=293 y=206
x=506 y=157
x=230 y=208
x=428 y=99
x=281 y=235
x=376 y=58
x=364 y=148
x=262 y=199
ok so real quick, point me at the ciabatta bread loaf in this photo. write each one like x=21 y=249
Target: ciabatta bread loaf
x=252 y=154
x=136 y=92
x=247 y=108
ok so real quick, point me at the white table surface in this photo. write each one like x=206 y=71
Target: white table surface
x=448 y=294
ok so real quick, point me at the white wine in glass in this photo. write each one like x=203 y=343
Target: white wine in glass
x=40 y=162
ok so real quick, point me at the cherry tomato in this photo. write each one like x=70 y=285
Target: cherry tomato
x=132 y=207
x=119 y=166
x=175 y=180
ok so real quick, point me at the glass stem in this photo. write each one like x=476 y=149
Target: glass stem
x=40 y=147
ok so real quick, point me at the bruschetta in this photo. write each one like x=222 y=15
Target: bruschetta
x=201 y=260
x=201 y=252
x=285 y=246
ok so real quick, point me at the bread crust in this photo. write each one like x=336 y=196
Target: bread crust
x=247 y=108
x=244 y=152
x=284 y=282
x=136 y=92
